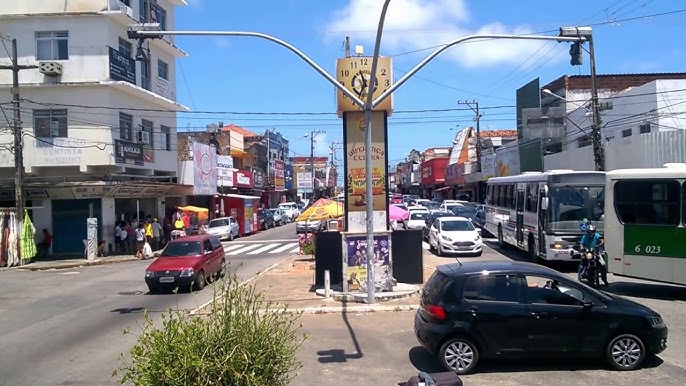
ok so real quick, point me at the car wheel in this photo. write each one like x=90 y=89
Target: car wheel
x=200 y=281
x=230 y=235
x=626 y=352
x=222 y=269
x=459 y=355
x=479 y=253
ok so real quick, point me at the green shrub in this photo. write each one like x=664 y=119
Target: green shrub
x=244 y=341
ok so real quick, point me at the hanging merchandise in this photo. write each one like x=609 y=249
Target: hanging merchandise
x=11 y=233
x=3 y=243
x=28 y=242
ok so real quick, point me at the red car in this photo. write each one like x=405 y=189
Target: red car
x=185 y=262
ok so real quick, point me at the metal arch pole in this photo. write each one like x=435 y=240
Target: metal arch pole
x=440 y=50
x=290 y=47
x=369 y=199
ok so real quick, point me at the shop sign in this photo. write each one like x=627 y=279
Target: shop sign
x=126 y=152
x=224 y=170
x=122 y=67
x=243 y=179
x=426 y=172
x=139 y=191
x=258 y=179
x=82 y=192
x=279 y=175
x=9 y=194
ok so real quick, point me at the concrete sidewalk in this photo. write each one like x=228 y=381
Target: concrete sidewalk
x=291 y=284
x=75 y=263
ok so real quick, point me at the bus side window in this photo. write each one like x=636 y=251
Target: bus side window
x=531 y=197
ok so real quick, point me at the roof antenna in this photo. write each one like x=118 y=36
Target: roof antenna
x=458 y=261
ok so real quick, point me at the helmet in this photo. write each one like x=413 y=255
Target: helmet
x=590 y=228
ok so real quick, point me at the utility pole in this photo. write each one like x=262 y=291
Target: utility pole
x=346 y=46
x=313 y=133
x=334 y=162
x=474 y=105
x=18 y=141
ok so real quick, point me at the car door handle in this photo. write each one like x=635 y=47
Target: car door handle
x=537 y=314
x=473 y=310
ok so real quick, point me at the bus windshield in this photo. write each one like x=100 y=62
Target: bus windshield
x=569 y=205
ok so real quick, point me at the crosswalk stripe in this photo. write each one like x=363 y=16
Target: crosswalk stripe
x=295 y=250
x=284 y=247
x=263 y=249
x=232 y=246
x=425 y=245
x=243 y=250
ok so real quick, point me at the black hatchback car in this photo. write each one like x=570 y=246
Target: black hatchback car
x=497 y=309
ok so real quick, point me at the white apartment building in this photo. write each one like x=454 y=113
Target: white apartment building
x=99 y=127
x=645 y=127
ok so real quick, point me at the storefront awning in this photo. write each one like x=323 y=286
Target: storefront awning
x=238 y=153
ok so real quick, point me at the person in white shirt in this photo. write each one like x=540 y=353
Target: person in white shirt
x=156 y=232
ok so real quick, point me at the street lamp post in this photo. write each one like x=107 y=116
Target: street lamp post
x=151 y=31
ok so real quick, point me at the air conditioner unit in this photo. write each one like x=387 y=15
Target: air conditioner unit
x=125 y=9
x=50 y=68
x=144 y=137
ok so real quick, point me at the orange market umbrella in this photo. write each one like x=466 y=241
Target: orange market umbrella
x=322 y=209
x=202 y=212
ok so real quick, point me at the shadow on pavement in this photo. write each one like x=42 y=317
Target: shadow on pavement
x=657 y=291
x=339 y=355
x=422 y=360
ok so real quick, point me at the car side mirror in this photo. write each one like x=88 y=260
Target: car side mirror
x=544 y=203
x=478 y=230
x=587 y=305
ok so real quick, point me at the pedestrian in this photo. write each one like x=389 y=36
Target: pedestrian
x=156 y=233
x=140 y=241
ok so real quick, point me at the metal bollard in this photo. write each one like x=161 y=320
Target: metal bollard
x=327 y=285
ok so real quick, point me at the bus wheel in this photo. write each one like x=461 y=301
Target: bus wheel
x=533 y=253
x=501 y=243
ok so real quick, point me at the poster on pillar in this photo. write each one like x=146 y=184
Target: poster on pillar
x=355 y=173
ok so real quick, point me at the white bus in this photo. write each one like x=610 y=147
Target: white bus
x=541 y=212
x=645 y=235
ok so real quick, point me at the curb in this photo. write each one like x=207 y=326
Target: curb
x=77 y=265
x=353 y=309
x=198 y=310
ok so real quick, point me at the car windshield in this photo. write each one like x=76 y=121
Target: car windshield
x=569 y=205
x=431 y=204
x=262 y=213
x=456 y=225
x=450 y=207
x=286 y=207
x=463 y=211
x=418 y=215
x=403 y=207
x=219 y=222
x=182 y=248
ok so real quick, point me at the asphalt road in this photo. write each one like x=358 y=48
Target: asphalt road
x=65 y=327
x=381 y=348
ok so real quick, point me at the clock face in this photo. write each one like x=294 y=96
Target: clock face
x=355 y=75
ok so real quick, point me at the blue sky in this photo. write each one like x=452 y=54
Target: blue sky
x=226 y=77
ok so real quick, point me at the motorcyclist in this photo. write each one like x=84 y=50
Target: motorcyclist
x=591 y=240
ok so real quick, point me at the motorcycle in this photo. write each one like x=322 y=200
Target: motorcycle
x=592 y=261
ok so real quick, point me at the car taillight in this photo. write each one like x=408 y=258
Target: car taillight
x=436 y=311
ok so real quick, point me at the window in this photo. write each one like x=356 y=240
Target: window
x=52 y=45
x=146 y=132
x=165 y=138
x=546 y=290
x=126 y=2
x=125 y=48
x=216 y=244
x=142 y=11
x=207 y=246
x=520 y=200
x=644 y=128
x=495 y=288
x=145 y=74
x=50 y=123
x=150 y=12
x=125 y=127
x=162 y=69
x=511 y=195
x=584 y=141
x=161 y=14
x=626 y=133
x=532 y=197
x=648 y=202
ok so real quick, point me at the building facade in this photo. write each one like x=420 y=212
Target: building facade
x=99 y=127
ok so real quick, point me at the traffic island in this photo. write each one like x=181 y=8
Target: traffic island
x=291 y=284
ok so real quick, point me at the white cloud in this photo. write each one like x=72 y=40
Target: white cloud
x=321 y=145
x=417 y=24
